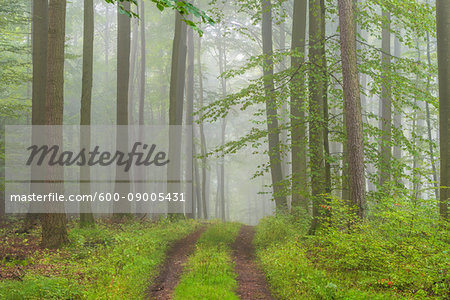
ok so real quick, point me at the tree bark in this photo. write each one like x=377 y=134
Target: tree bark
x=430 y=136
x=190 y=102
x=326 y=143
x=223 y=83
x=86 y=216
x=316 y=141
x=271 y=109
x=203 y=149
x=176 y=96
x=54 y=231
x=39 y=58
x=141 y=120
x=443 y=44
x=352 y=106
x=397 y=151
x=298 y=95
x=386 y=106
x=122 y=184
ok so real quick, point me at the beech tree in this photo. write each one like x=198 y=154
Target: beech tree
x=297 y=109
x=176 y=98
x=86 y=217
x=443 y=40
x=271 y=109
x=316 y=109
x=385 y=103
x=352 y=106
x=122 y=185
x=54 y=232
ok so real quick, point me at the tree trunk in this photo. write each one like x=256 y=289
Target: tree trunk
x=190 y=101
x=176 y=95
x=54 y=231
x=298 y=96
x=86 y=216
x=316 y=134
x=271 y=107
x=107 y=44
x=443 y=38
x=397 y=151
x=39 y=57
x=284 y=109
x=386 y=107
x=134 y=39
x=326 y=143
x=428 y=117
x=352 y=106
x=223 y=83
x=141 y=121
x=203 y=148
x=122 y=184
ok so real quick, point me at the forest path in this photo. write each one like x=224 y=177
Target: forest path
x=251 y=280
x=173 y=266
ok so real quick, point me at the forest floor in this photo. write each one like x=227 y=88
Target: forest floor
x=251 y=280
x=188 y=259
x=170 y=272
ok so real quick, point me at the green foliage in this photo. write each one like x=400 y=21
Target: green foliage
x=183 y=7
x=378 y=259
x=272 y=230
x=210 y=271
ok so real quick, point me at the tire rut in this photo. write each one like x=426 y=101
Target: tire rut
x=251 y=280
x=171 y=270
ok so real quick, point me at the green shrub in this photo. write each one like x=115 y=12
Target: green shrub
x=370 y=261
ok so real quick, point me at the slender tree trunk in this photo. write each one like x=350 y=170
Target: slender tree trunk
x=352 y=106
x=271 y=109
x=386 y=106
x=39 y=57
x=54 y=231
x=284 y=110
x=443 y=38
x=326 y=143
x=397 y=151
x=416 y=127
x=176 y=95
x=143 y=64
x=298 y=96
x=203 y=148
x=122 y=185
x=190 y=101
x=430 y=136
x=86 y=216
x=141 y=120
x=106 y=44
x=223 y=83
x=134 y=39
x=316 y=134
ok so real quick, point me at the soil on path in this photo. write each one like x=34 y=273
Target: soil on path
x=252 y=282
x=173 y=266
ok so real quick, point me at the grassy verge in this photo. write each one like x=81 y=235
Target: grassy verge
x=111 y=261
x=364 y=264
x=210 y=271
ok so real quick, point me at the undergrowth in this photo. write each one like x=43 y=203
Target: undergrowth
x=394 y=257
x=110 y=261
